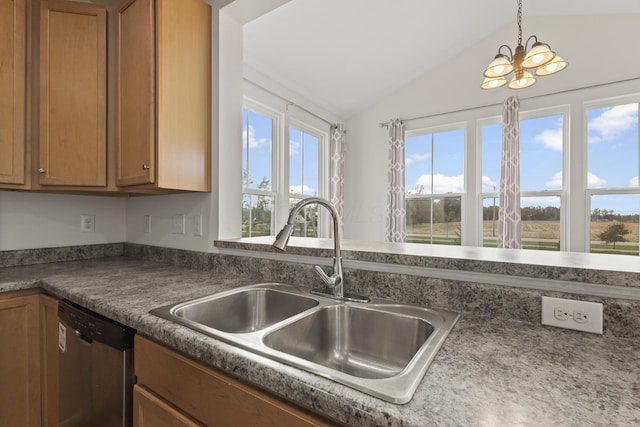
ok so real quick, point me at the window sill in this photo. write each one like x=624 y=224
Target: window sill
x=601 y=269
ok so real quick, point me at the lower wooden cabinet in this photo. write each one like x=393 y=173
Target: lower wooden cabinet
x=151 y=411
x=172 y=383
x=49 y=359
x=19 y=360
x=28 y=359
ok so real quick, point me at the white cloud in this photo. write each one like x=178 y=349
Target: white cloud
x=488 y=185
x=294 y=148
x=633 y=182
x=253 y=142
x=302 y=189
x=416 y=158
x=594 y=181
x=612 y=122
x=555 y=181
x=550 y=138
x=441 y=184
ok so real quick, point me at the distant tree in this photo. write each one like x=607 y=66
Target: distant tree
x=614 y=233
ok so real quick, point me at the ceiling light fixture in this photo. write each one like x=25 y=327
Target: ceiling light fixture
x=540 y=57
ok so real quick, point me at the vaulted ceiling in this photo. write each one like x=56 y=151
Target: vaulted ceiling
x=347 y=54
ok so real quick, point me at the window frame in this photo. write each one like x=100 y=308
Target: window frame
x=565 y=111
x=277 y=119
x=309 y=127
x=611 y=191
x=283 y=119
x=432 y=130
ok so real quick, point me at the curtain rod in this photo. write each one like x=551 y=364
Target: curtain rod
x=462 y=110
x=289 y=102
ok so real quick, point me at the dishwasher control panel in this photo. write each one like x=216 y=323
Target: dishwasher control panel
x=92 y=326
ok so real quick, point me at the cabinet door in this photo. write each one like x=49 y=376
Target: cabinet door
x=12 y=90
x=49 y=359
x=19 y=361
x=210 y=396
x=73 y=89
x=136 y=159
x=151 y=411
x=184 y=94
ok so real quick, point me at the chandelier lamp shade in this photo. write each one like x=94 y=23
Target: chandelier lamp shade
x=538 y=59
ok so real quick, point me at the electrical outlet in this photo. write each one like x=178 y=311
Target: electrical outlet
x=572 y=314
x=197 y=225
x=560 y=313
x=177 y=224
x=87 y=223
x=147 y=223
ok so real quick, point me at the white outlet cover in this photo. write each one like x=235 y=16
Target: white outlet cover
x=579 y=309
x=177 y=224
x=197 y=225
x=147 y=223
x=87 y=223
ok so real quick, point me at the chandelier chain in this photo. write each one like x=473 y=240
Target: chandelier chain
x=519 y=22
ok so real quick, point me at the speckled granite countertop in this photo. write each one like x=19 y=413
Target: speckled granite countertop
x=488 y=373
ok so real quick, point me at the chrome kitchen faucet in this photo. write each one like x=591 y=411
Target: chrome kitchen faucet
x=336 y=281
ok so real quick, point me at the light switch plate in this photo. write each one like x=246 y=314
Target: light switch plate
x=177 y=224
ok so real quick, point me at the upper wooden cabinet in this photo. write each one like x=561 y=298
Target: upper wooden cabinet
x=164 y=95
x=73 y=94
x=13 y=32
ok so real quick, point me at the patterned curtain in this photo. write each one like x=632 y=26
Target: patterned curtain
x=509 y=232
x=396 y=228
x=337 y=168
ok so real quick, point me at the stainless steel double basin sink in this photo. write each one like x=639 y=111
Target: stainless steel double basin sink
x=379 y=347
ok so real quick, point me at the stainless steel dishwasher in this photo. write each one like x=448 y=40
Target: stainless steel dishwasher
x=95 y=369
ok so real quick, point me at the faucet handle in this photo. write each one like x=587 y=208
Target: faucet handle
x=331 y=281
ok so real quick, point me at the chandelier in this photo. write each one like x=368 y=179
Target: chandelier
x=540 y=57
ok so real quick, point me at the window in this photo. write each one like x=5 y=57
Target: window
x=304 y=178
x=258 y=133
x=613 y=191
x=277 y=174
x=434 y=185
x=542 y=141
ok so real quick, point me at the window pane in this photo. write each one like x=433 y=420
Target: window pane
x=448 y=162
x=541 y=141
x=614 y=224
x=418 y=153
x=434 y=220
x=303 y=163
x=256 y=215
x=612 y=137
x=490 y=208
x=434 y=163
x=541 y=153
x=540 y=223
x=257 y=140
x=418 y=220
x=306 y=224
x=491 y=154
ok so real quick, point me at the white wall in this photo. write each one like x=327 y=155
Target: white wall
x=456 y=85
x=162 y=209
x=29 y=220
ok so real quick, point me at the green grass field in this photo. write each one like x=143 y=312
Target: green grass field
x=539 y=235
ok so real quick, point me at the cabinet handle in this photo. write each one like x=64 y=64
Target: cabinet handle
x=41 y=170
x=145 y=167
